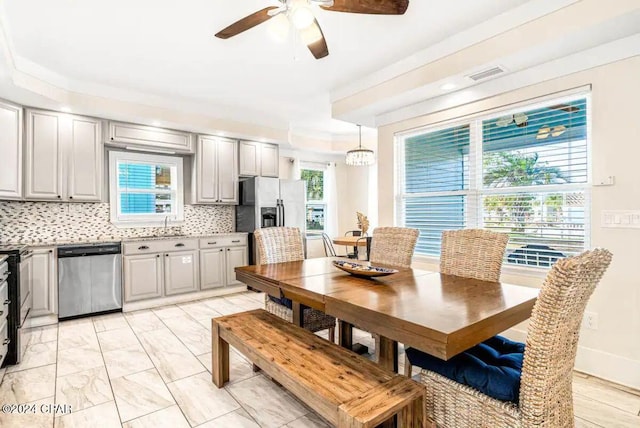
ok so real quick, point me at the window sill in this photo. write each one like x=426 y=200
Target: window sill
x=123 y=224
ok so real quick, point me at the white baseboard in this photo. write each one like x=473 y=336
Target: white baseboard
x=594 y=362
x=182 y=298
x=41 y=321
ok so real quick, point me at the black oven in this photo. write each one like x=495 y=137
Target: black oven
x=20 y=299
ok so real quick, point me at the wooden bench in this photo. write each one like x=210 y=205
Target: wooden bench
x=346 y=389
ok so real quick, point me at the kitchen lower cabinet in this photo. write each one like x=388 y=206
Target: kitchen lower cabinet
x=212 y=268
x=44 y=282
x=168 y=267
x=181 y=272
x=219 y=257
x=143 y=277
x=235 y=256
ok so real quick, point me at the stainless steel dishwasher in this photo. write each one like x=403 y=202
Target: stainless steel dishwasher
x=89 y=279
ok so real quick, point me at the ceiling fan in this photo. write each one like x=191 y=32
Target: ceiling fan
x=301 y=15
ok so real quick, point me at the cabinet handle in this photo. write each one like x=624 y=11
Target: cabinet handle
x=6 y=342
x=143 y=247
x=7 y=302
x=158 y=255
x=221 y=249
x=5 y=276
x=111 y=138
x=59 y=197
x=236 y=241
x=228 y=249
x=166 y=255
x=180 y=244
x=1 y=312
x=51 y=251
x=70 y=197
x=212 y=243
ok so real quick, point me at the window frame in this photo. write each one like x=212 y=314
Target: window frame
x=474 y=210
x=145 y=220
x=323 y=201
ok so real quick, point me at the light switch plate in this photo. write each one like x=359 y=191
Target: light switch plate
x=624 y=219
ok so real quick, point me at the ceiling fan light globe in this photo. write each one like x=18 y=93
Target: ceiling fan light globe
x=302 y=17
x=278 y=28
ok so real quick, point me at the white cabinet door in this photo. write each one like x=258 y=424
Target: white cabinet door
x=212 y=268
x=270 y=160
x=85 y=159
x=236 y=256
x=43 y=282
x=206 y=171
x=181 y=272
x=227 y=171
x=43 y=156
x=149 y=136
x=11 y=149
x=143 y=277
x=249 y=157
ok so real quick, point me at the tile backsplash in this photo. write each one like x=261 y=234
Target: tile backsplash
x=51 y=222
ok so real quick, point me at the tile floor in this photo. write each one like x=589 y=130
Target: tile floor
x=151 y=369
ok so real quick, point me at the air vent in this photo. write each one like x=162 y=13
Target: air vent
x=485 y=74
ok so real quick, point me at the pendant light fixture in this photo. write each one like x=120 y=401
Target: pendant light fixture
x=360 y=156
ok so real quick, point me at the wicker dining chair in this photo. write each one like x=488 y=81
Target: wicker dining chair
x=393 y=245
x=545 y=394
x=473 y=253
x=284 y=244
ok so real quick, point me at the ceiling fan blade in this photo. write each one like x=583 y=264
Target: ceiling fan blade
x=246 y=23
x=376 y=7
x=314 y=39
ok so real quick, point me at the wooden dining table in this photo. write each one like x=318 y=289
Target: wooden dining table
x=441 y=315
x=351 y=241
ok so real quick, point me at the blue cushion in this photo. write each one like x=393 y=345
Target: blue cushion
x=492 y=367
x=284 y=302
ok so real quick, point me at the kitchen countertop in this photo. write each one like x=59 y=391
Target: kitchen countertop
x=54 y=243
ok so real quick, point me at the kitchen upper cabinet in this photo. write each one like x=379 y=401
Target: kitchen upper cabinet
x=228 y=171
x=43 y=282
x=181 y=272
x=128 y=134
x=85 y=160
x=270 y=160
x=212 y=268
x=143 y=277
x=43 y=156
x=258 y=159
x=11 y=149
x=215 y=171
x=63 y=157
x=236 y=256
x=249 y=156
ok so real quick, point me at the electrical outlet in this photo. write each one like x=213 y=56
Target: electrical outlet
x=590 y=321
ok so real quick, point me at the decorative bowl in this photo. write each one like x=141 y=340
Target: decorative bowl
x=364 y=271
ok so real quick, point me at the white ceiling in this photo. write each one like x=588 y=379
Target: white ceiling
x=162 y=52
x=157 y=60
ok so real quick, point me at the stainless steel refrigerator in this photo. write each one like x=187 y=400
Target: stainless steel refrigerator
x=270 y=202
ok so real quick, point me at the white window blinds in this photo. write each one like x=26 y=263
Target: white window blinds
x=522 y=172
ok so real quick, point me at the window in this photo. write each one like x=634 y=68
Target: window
x=145 y=190
x=523 y=172
x=316 y=205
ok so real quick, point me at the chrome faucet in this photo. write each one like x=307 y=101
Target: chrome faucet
x=166 y=221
